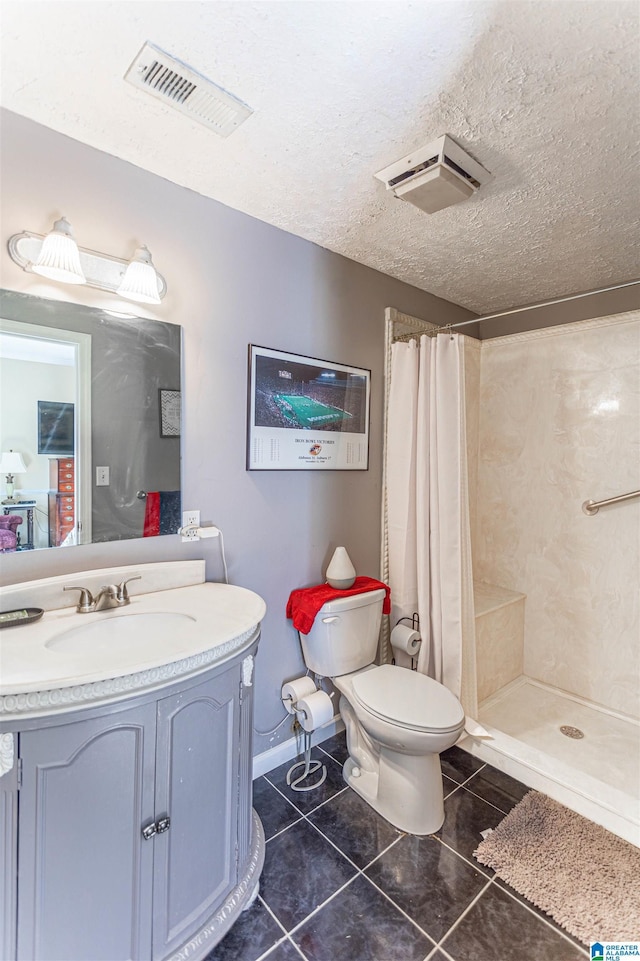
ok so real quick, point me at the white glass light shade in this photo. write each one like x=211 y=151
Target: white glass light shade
x=341 y=573
x=140 y=281
x=59 y=257
x=11 y=462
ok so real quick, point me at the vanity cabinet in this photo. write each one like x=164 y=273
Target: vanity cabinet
x=85 y=877
x=9 y=865
x=197 y=784
x=135 y=823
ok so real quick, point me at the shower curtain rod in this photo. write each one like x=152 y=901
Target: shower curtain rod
x=543 y=303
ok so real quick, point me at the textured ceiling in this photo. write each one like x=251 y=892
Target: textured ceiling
x=543 y=94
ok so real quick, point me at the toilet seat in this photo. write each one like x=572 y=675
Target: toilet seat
x=407 y=699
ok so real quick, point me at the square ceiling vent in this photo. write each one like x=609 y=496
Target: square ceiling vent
x=435 y=177
x=184 y=89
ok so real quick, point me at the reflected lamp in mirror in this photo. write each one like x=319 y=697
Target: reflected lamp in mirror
x=11 y=463
x=59 y=258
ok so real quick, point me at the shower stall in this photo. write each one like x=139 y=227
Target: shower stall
x=553 y=421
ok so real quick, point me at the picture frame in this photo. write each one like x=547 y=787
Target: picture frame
x=305 y=413
x=56 y=428
x=170 y=403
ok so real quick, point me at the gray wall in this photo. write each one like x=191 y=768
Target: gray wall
x=232 y=281
x=125 y=392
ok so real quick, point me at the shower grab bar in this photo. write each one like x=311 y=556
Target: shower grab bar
x=592 y=507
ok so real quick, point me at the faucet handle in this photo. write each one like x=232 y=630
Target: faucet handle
x=123 y=593
x=86 y=602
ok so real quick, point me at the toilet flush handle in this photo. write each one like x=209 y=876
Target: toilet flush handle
x=330 y=620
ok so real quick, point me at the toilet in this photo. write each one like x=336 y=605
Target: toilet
x=397 y=721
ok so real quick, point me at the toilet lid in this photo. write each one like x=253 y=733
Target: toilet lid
x=408 y=699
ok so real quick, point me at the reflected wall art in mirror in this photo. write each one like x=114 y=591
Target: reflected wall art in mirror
x=80 y=393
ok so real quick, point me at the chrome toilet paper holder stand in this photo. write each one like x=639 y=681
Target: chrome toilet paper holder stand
x=309 y=767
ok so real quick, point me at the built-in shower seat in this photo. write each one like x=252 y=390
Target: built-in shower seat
x=499 y=637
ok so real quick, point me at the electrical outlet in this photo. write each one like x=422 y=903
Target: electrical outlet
x=190 y=519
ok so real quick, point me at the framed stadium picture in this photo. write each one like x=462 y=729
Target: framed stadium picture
x=305 y=413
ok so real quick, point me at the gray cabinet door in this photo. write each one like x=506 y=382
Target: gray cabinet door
x=85 y=872
x=195 y=861
x=8 y=862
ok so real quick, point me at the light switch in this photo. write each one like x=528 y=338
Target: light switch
x=102 y=476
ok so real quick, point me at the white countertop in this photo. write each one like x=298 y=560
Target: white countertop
x=220 y=614
x=66 y=660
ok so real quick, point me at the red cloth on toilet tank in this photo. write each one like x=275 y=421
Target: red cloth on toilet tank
x=305 y=602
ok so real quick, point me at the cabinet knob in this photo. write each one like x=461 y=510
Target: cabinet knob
x=149 y=831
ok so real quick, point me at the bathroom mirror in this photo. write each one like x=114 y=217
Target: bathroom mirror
x=90 y=400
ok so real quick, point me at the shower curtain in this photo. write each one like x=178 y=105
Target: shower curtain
x=428 y=531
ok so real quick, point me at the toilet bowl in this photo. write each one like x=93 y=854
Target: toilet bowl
x=394 y=761
x=397 y=721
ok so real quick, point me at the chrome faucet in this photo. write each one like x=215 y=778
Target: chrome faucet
x=112 y=595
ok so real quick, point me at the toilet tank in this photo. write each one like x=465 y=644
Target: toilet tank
x=344 y=636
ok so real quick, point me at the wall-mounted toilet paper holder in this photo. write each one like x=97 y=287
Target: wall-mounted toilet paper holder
x=406 y=640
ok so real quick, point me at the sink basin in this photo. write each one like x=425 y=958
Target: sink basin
x=180 y=626
x=119 y=633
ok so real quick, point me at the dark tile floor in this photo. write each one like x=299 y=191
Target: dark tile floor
x=342 y=884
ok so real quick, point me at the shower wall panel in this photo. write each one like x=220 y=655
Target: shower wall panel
x=560 y=424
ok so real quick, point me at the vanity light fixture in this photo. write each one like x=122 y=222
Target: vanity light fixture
x=58 y=257
x=140 y=281
x=11 y=463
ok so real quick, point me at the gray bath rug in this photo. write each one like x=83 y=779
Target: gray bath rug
x=586 y=878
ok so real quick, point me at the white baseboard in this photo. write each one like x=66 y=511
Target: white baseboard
x=287 y=750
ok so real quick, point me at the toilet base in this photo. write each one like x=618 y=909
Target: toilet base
x=404 y=789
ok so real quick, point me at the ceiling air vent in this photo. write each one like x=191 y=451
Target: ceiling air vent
x=436 y=176
x=186 y=90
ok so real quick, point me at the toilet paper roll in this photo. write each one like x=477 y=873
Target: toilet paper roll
x=292 y=691
x=405 y=639
x=314 y=710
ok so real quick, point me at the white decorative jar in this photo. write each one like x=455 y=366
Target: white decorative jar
x=341 y=573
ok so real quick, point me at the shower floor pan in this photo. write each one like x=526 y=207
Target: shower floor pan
x=597 y=775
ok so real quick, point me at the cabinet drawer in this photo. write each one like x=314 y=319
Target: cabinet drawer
x=62 y=517
x=62 y=474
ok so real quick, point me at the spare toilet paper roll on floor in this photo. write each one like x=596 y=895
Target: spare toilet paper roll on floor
x=405 y=639
x=292 y=691
x=315 y=710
